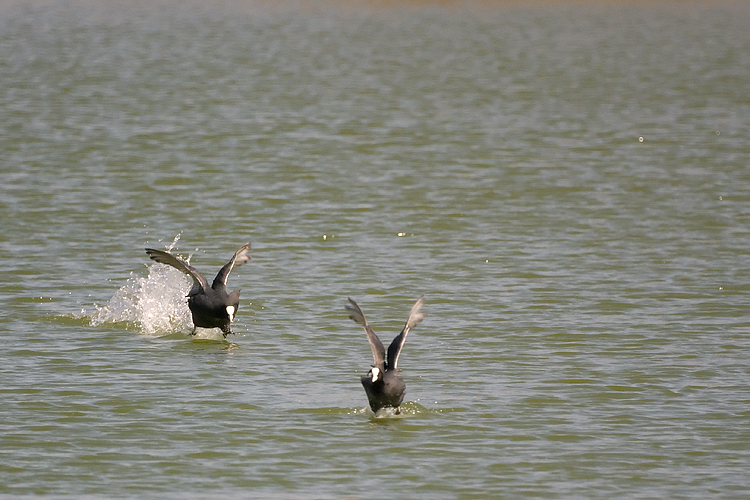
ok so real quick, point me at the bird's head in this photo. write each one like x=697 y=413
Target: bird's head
x=375 y=374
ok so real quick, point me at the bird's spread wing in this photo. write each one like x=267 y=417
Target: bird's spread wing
x=415 y=317
x=163 y=257
x=241 y=256
x=378 y=351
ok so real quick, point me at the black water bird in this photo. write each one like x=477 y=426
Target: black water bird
x=211 y=306
x=384 y=387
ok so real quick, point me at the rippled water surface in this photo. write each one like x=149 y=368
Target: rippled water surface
x=568 y=184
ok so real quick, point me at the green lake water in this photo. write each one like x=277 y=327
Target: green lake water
x=567 y=183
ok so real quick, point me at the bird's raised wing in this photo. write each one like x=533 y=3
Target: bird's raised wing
x=378 y=351
x=163 y=257
x=415 y=317
x=241 y=256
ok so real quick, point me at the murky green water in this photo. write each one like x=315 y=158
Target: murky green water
x=567 y=184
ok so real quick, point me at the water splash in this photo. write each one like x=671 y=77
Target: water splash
x=155 y=304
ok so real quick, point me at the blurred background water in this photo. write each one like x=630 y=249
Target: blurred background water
x=567 y=183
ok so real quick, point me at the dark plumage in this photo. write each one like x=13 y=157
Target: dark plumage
x=211 y=306
x=382 y=384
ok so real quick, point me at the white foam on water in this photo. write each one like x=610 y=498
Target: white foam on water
x=155 y=304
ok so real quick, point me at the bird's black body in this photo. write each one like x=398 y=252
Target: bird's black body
x=210 y=306
x=386 y=391
x=384 y=387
